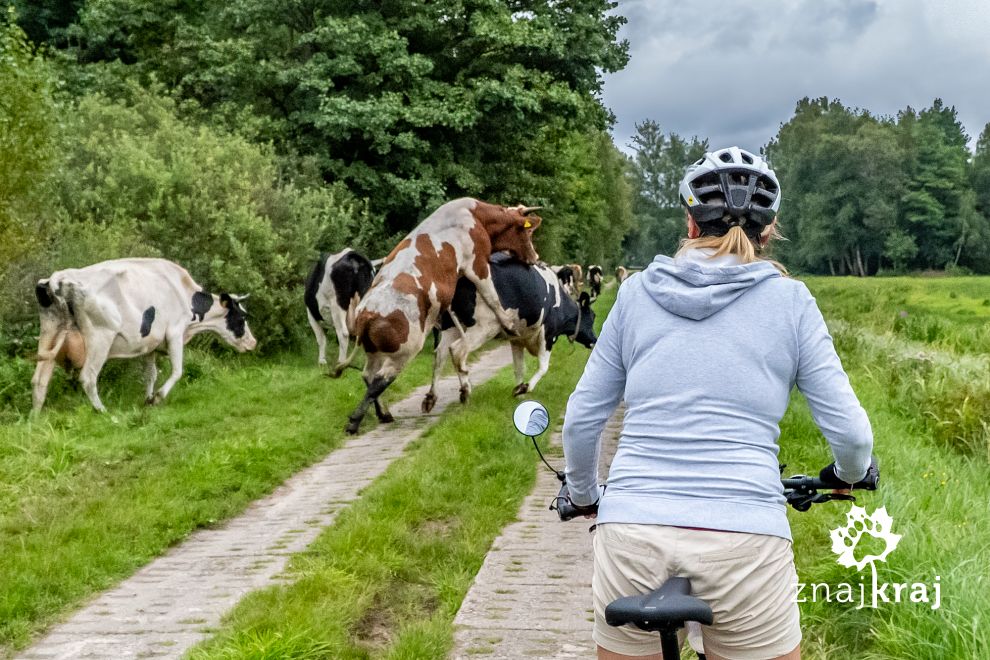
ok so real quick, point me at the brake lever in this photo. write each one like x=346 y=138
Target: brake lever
x=802 y=501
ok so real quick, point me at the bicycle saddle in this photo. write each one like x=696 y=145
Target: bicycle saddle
x=665 y=608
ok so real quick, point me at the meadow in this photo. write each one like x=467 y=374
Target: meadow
x=87 y=499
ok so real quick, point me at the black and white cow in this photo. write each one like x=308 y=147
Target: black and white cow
x=531 y=294
x=566 y=277
x=595 y=280
x=128 y=308
x=333 y=289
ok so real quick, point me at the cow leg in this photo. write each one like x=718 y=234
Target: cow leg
x=439 y=359
x=39 y=383
x=175 y=350
x=97 y=350
x=381 y=410
x=459 y=351
x=544 y=357
x=321 y=337
x=519 y=365
x=150 y=376
x=339 y=317
x=375 y=385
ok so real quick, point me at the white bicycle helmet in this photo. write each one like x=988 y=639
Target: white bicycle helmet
x=731 y=187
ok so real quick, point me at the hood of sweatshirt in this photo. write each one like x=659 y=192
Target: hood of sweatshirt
x=694 y=286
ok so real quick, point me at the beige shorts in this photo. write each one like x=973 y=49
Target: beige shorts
x=748 y=580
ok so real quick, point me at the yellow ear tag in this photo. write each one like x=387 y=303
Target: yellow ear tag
x=690 y=200
x=527 y=225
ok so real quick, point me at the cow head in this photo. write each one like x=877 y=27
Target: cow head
x=235 y=328
x=514 y=234
x=223 y=315
x=585 y=334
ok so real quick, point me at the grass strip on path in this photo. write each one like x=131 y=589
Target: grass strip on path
x=86 y=499
x=387 y=579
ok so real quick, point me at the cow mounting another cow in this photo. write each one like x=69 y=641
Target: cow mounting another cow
x=417 y=282
x=128 y=308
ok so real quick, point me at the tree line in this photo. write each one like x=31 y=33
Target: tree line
x=241 y=138
x=862 y=194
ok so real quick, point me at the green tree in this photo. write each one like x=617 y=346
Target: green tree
x=28 y=146
x=939 y=204
x=45 y=21
x=842 y=176
x=589 y=200
x=658 y=166
x=409 y=104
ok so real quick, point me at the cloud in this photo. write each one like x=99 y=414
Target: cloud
x=732 y=71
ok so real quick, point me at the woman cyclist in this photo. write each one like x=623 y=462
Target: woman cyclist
x=704 y=348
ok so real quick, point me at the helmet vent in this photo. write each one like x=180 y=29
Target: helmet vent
x=725 y=157
x=747 y=158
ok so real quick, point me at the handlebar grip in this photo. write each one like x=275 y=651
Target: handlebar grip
x=567 y=510
x=870 y=482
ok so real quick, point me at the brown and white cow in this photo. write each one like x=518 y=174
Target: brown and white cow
x=128 y=308
x=417 y=282
x=621 y=274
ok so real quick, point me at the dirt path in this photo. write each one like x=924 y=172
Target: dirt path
x=175 y=601
x=532 y=596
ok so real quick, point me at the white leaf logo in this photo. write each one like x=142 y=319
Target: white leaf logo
x=845 y=539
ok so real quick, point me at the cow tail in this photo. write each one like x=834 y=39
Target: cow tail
x=349 y=319
x=45 y=355
x=457 y=322
x=351 y=314
x=54 y=301
x=339 y=369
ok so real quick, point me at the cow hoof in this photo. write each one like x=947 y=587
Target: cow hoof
x=521 y=389
x=337 y=371
x=149 y=401
x=352 y=427
x=429 y=401
x=322 y=362
x=386 y=418
x=465 y=394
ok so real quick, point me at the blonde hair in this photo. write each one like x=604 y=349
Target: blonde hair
x=735 y=241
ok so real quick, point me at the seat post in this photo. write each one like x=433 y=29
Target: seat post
x=668 y=644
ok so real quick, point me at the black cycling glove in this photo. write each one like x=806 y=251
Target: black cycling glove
x=869 y=482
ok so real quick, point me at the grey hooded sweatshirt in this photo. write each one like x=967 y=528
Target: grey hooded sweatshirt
x=705 y=353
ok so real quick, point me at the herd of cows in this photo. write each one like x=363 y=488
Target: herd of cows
x=467 y=274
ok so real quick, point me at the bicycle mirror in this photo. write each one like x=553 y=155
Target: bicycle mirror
x=531 y=418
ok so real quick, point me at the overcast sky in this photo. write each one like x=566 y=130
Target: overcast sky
x=732 y=70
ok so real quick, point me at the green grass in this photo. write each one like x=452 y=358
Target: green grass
x=951 y=313
x=85 y=499
x=938 y=501
x=386 y=580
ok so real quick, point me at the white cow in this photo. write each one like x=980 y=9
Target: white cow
x=128 y=308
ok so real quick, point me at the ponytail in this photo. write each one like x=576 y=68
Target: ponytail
x=735 y=242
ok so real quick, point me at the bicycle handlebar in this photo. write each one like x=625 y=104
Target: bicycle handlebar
x=800 y=491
